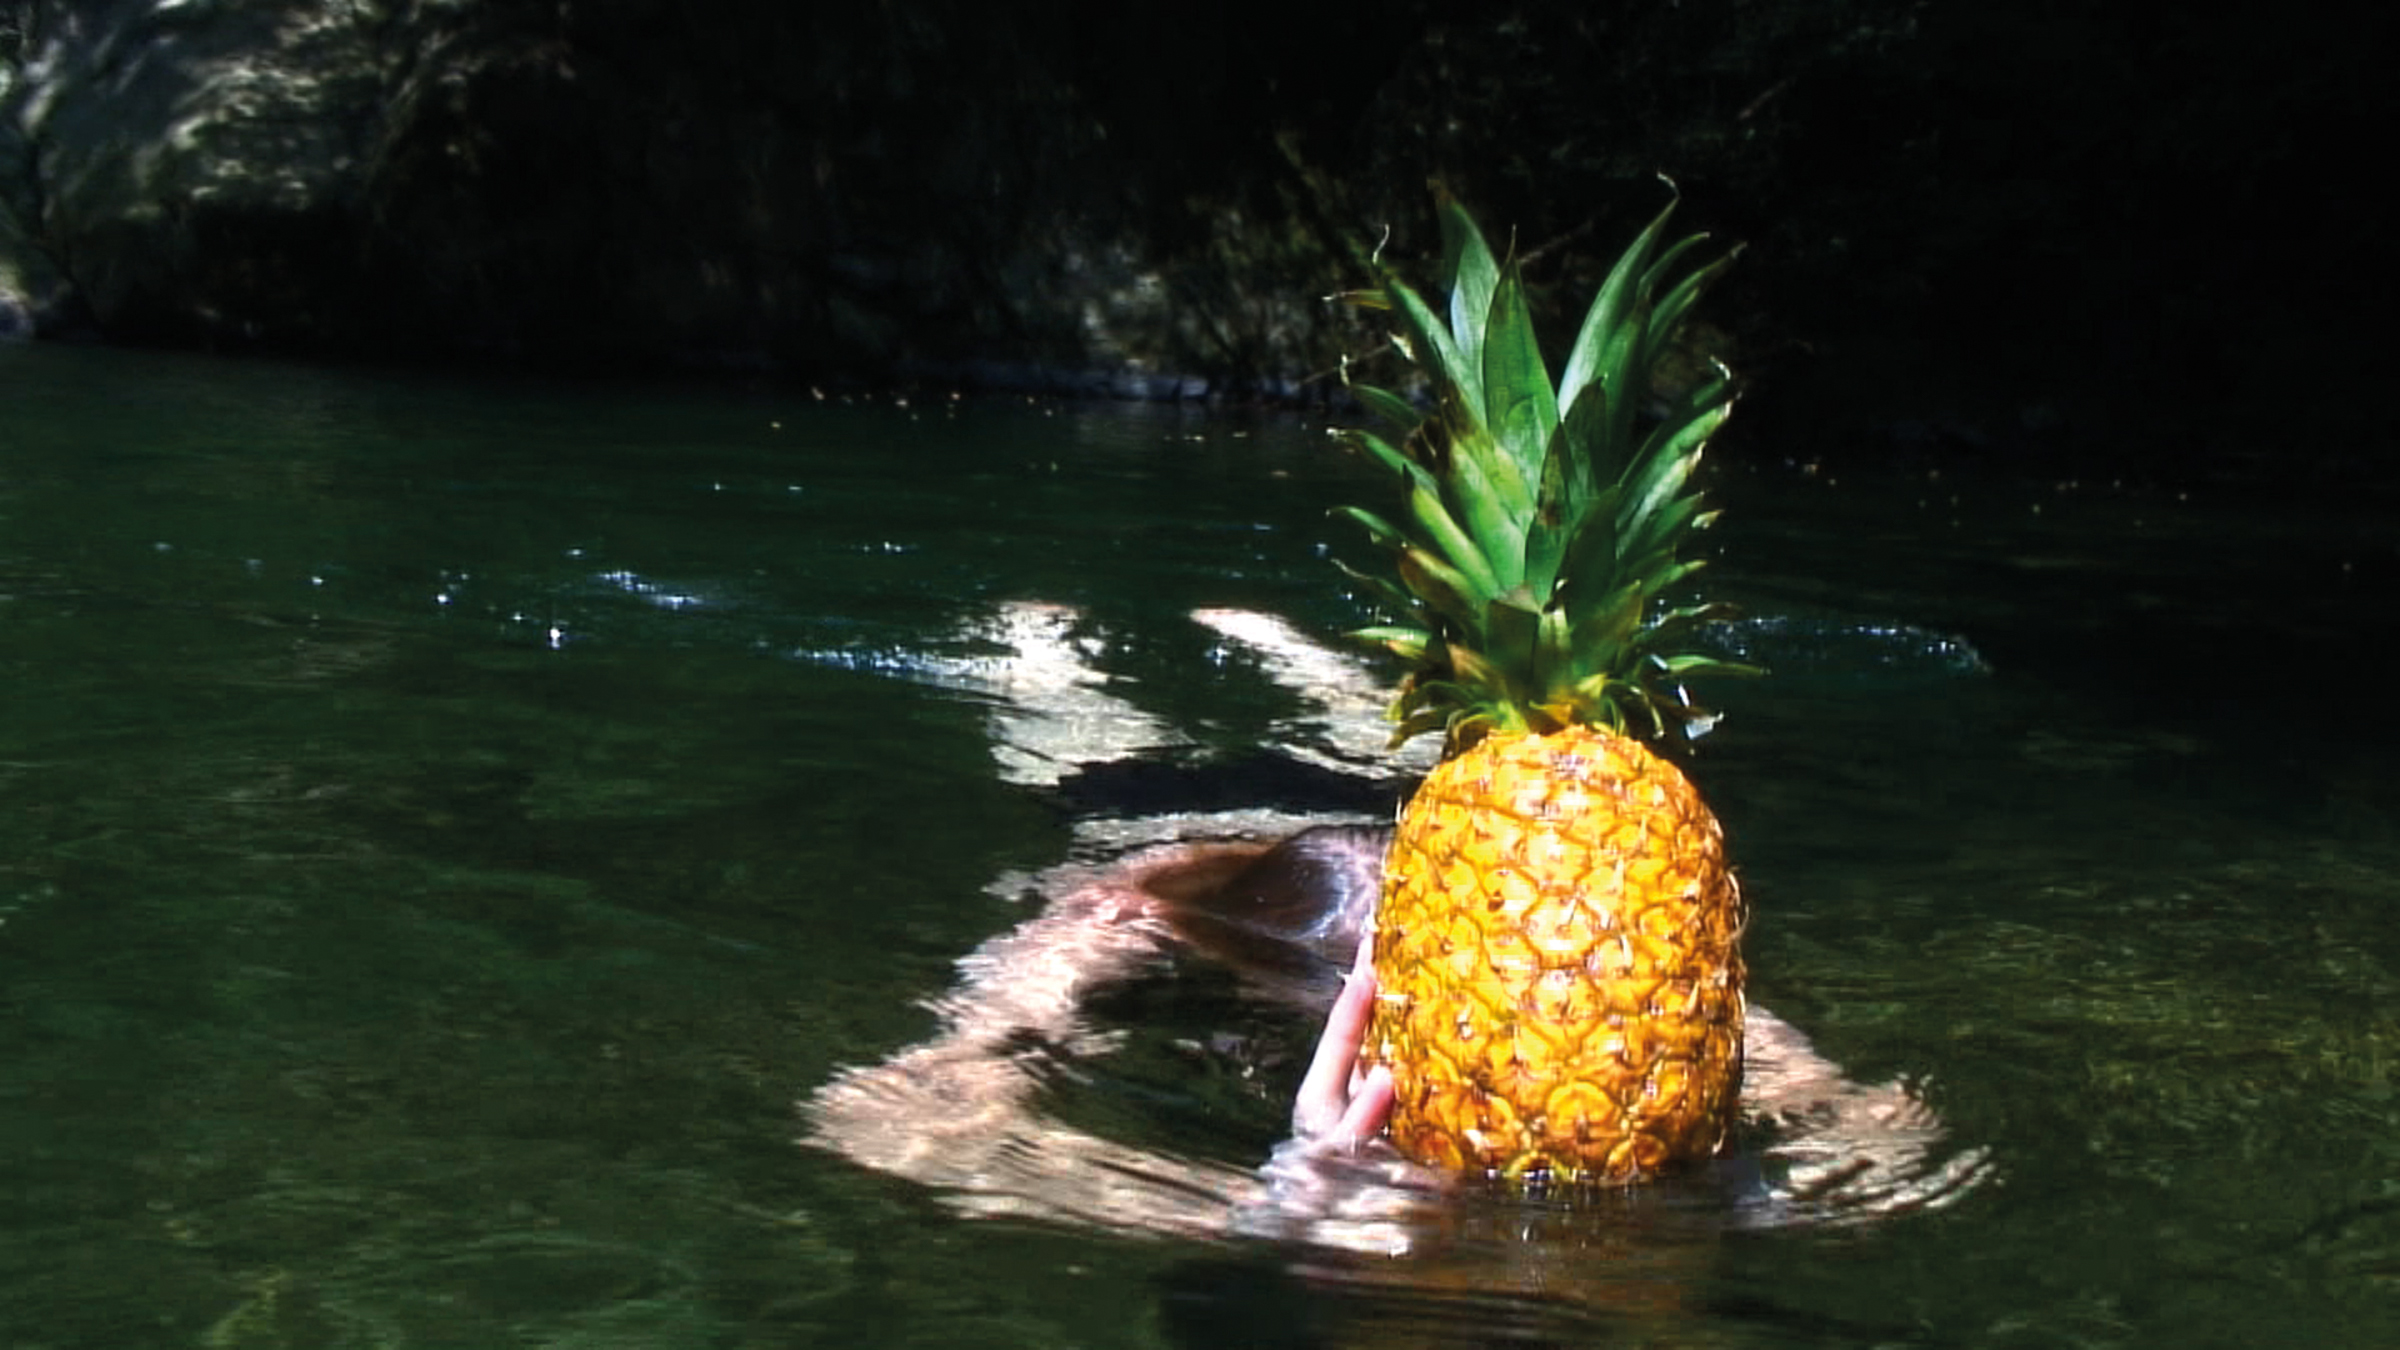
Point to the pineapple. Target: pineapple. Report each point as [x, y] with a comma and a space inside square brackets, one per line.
[1557, 946]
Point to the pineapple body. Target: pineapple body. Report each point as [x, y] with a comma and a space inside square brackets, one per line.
[1561, 987]
[1558, 957]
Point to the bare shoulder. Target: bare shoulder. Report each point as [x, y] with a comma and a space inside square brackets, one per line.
[1782, 1073]
[1849, 1149]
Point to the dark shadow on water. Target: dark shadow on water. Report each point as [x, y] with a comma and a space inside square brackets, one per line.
[1258, 780]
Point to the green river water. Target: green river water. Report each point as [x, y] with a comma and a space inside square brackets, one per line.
[448, 828]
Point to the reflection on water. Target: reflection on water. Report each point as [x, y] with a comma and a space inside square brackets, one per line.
[961, 1110]
[445, 827]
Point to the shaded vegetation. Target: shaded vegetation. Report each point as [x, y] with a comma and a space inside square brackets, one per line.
[1976, 232]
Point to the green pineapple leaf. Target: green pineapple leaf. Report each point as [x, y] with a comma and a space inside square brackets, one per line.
[1544, 519]
[1457, 547]
[1388, 592]
[1520, 406]
[1605, 346]
[1460, 383]
[1383, 452]
[1512, 634]
[1494, 499]
[1439, 586]
[1380, 530]
[1409, 644]
[1390, 407]
[1473, 277]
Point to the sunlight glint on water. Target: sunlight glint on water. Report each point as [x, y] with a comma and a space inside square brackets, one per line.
[447, 826]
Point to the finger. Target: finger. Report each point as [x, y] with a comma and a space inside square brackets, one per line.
[1324, 1094]
[1369, 1111]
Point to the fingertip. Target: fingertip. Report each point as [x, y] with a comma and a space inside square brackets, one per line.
[1378, 1084]
[1370, 1108]
[1356, 1000]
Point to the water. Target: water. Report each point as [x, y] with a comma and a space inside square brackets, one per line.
[448, 828]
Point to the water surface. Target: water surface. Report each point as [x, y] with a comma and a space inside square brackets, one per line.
[446, 826]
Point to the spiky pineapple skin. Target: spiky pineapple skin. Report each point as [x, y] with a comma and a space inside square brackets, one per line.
[1558, 961]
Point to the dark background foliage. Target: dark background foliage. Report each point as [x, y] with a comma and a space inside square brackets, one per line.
[2019, 233]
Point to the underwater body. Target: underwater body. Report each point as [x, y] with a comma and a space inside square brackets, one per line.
[455, 828]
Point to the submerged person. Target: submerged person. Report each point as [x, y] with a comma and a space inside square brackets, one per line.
[1292, 918]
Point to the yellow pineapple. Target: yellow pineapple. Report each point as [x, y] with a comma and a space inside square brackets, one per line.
[1557, 945]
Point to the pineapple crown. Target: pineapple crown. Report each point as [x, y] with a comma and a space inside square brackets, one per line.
[1543, 521]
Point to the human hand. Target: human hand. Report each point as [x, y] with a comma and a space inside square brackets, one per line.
[1340, 1107]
